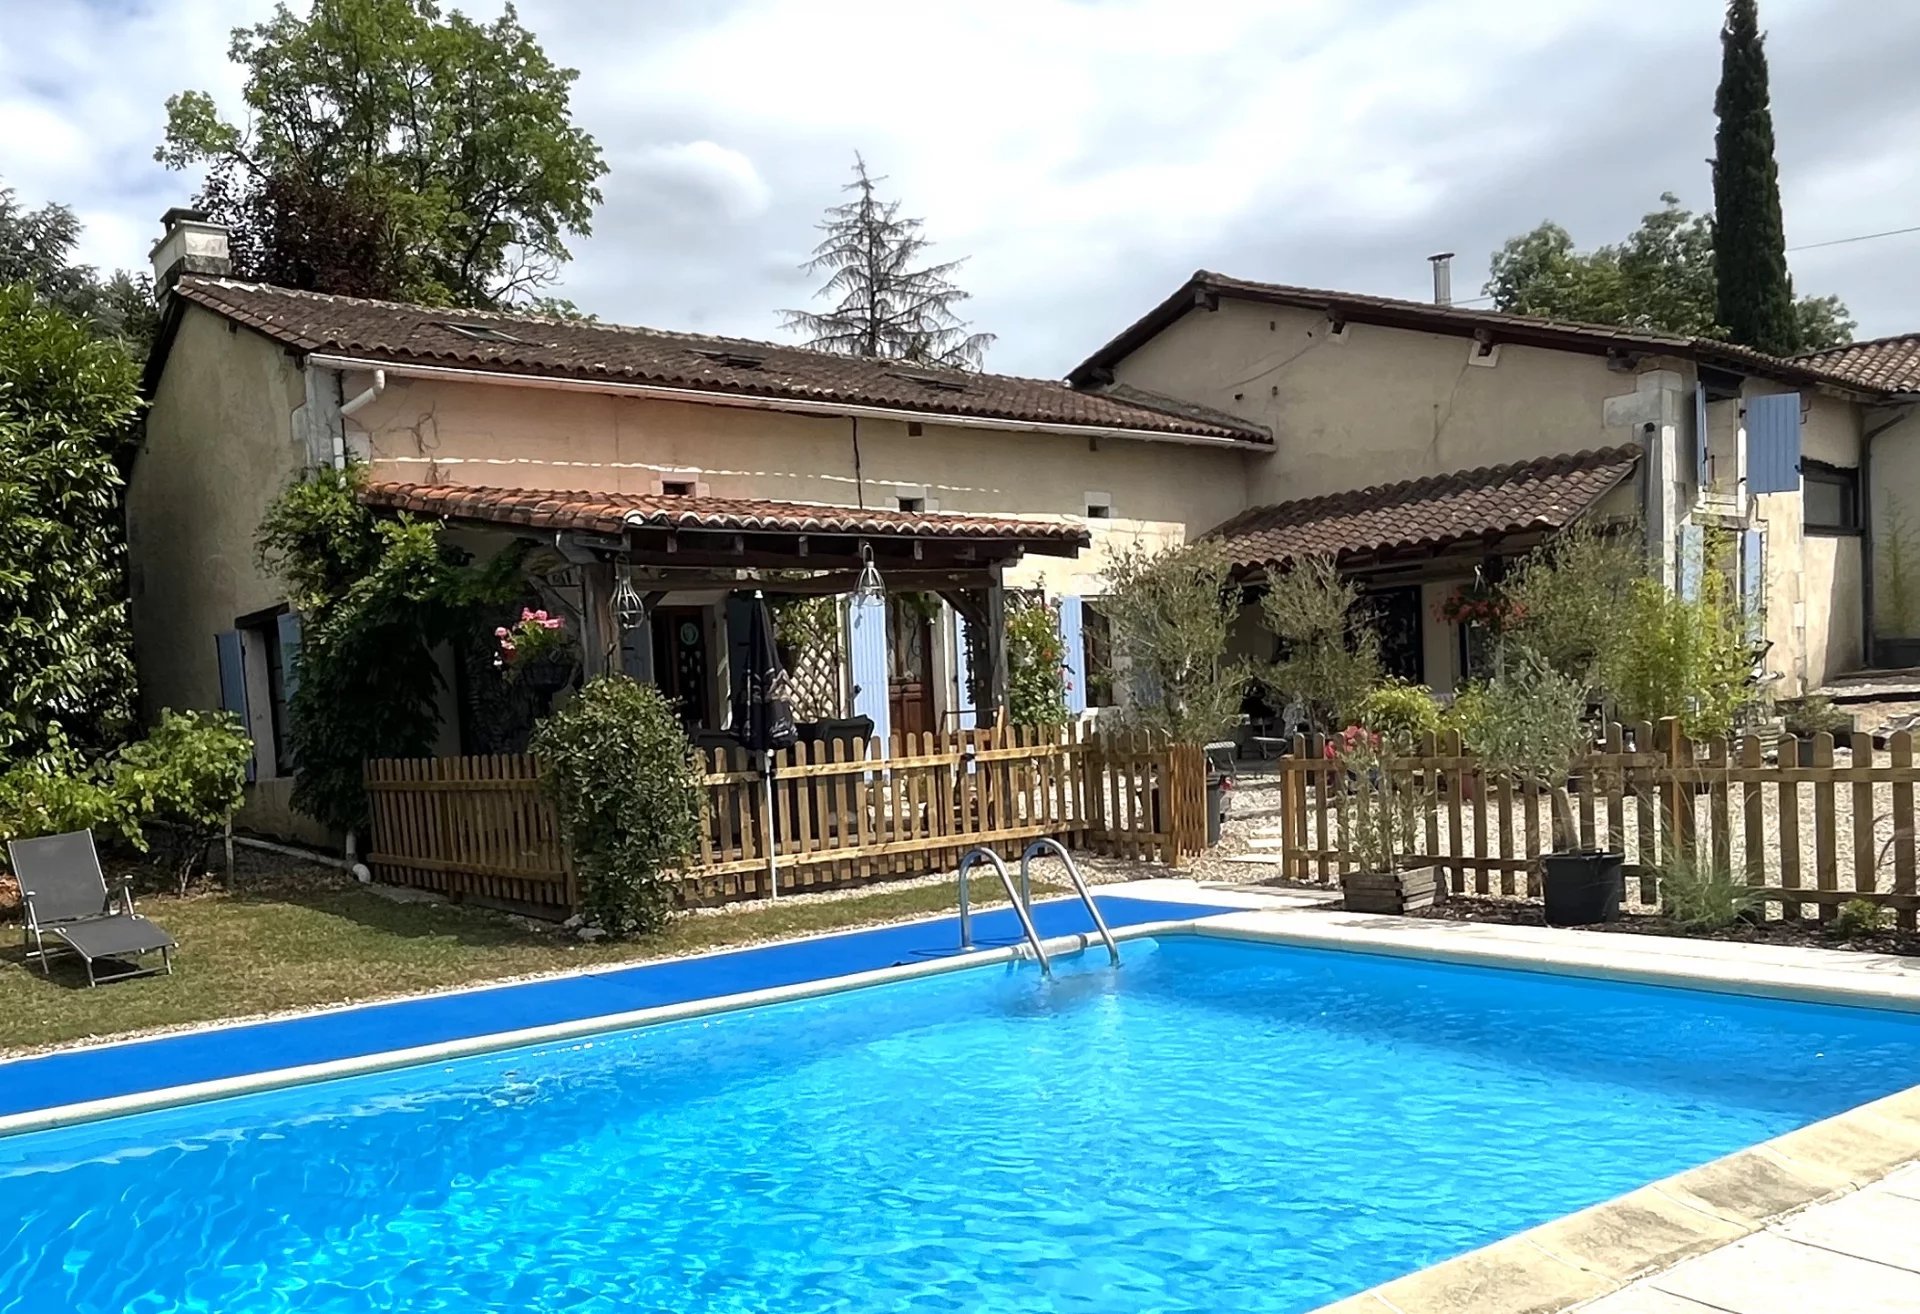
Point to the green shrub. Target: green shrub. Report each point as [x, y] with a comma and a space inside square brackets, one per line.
[1857, 917]
[59, 792]
[190, 775]
[1674, 656]
[620, 772]
[1699, 894]
[1036, 666]
[1400, 712]
[1816, 715]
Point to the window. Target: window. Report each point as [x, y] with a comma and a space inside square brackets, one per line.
[1099, 506]
[676, 488]
[911, 503]
[1096, 645]
[927, 379]
[738, 360]
[480, 332]
[1830, 498]
[257, 682]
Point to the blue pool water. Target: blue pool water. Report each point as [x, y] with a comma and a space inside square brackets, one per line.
[1214, 1127]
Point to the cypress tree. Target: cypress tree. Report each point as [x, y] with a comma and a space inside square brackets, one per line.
[1749, 236]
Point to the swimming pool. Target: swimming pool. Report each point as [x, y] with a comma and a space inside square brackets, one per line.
[1215, 1126]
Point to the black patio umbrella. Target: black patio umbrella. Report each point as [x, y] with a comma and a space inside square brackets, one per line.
[763, 713]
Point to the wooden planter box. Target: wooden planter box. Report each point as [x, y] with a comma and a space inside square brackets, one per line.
[1390, 891]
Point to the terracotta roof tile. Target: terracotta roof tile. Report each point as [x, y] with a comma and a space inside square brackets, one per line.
[1425, 316]
[610, 513]
[394, 333]
[1891, 364]
[1547, 493]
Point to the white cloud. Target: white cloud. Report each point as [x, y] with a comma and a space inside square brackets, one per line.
[1084, 155]
[702, 171]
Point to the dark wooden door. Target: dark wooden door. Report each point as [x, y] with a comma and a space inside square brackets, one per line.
[909, 669]
[680, 665]
[1396, 619]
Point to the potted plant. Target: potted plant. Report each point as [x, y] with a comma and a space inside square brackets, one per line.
[536, 650]
[1379, 812]
[1815, 715]
[1530, 725]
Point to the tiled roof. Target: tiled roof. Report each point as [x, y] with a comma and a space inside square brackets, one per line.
[610, 513]
[1891, 364]
[389, 332]
[1425, 316]
[1547, 493]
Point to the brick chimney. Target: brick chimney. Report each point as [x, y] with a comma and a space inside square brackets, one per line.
[192, 245]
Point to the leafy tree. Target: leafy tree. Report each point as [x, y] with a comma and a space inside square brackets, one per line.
[1660, 279]
[1567, 599]
[36, 248]
[66, 401]
[890, 307]
[1750, 242]
[391, 149]
[1172, 614]
[1330, 655]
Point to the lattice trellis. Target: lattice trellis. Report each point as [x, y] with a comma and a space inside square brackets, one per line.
[819, 691]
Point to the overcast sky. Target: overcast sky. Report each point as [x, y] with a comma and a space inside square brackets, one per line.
[1085, 156]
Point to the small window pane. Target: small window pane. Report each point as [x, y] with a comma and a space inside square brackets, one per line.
[1830, 501]
[1096, 642]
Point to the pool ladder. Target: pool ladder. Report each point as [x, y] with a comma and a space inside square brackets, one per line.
[1022, 898]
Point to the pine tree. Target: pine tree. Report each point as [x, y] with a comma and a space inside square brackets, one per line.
[1749, 236]
[888, 308]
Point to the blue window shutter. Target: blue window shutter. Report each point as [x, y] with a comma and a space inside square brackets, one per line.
[1753, 580]
[289, 623]
[1692, 554]
[1075, 648]
[1700, 434]
[231, 655]
[1773, 443]
[963, 674]
[867, 644]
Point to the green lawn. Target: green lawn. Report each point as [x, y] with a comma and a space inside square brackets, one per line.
[304, 938]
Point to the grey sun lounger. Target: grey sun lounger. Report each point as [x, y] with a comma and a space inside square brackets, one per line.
[65, 897]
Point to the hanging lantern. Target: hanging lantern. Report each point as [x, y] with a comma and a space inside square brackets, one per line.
[629, 608]
[868, 587]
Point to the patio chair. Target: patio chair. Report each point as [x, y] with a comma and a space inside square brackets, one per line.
[65, 897]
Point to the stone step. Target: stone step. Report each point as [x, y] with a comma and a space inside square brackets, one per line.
[1264, 841]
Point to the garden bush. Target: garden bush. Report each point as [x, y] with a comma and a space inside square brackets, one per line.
[1857, 917]
[1330, 653]
[1400, 712]
[1036, 666]
[190, 776]
[1699, 894]
[1528, 723]
[620, 772]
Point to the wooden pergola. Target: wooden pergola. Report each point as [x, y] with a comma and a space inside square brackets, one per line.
[632, 550]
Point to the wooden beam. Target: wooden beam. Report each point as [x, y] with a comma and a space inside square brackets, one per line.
[996, 619]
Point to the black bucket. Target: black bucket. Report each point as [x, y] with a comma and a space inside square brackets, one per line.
[1583, 888]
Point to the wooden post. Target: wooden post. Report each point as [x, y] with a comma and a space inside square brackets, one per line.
[600, 631]
[996, 689]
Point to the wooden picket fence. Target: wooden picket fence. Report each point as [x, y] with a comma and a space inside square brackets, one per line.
[842, 813]
[1806, 838]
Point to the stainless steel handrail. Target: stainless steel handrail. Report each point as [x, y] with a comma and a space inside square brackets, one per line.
[1079, 884]
[1019, 905]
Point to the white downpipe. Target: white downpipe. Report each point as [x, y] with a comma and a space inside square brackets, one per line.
[347, 410]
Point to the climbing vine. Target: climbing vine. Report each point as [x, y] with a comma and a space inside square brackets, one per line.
[376, 596]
